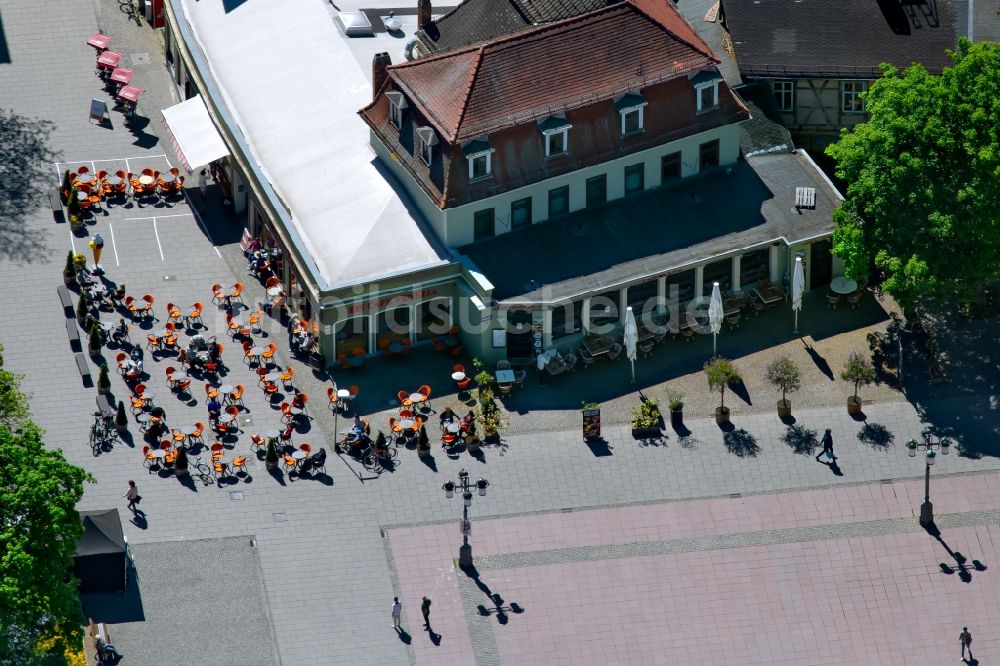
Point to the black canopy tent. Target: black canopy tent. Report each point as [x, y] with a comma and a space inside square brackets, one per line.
[100, 561]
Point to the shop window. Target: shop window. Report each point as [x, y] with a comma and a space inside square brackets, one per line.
[604, 311]
[433, 318]
[644, 299]
[567, 319]
[352, 335]
[393, 326]
[754, 267]
[719, 271]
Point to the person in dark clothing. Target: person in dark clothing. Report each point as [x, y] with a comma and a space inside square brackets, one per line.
[314, 461]
[827, 446]
[425, 608]
[214, 408]
[120, 331]
[446, 416]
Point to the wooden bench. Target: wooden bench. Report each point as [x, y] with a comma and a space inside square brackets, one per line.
[67, 300]
[82, 365]
[55, 202]
[74, 335]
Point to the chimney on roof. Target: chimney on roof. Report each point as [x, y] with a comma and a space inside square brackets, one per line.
[380, 65]
[423, 12]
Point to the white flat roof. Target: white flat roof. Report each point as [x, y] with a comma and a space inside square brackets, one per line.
[294, 83]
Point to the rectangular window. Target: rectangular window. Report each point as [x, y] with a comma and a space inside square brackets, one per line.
[850, 96]
[604, 311]
[631, 121]
[395, 115]
[635, 179]
[708, 155]
[558, 201]
[520, 213]
[719, 271]
[670, 167]
[566, 319]
[754, 267]
[426, 152]
[708, 96]
[784, 95]
[597, 190]
[479, 166]
[556, 142]
[483, 224]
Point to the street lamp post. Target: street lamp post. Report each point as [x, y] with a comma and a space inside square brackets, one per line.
[465, 551]
[930, 448]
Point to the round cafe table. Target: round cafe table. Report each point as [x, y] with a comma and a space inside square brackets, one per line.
[187, 430]
[276, 290]
[146, 180]
[842, 285]
[272, 434]
[396, 348]
[226, 389]
[453, 427]
[272, 377]
[343, 394]
[406, 424]
[159, 454]
[227, 418]
[299, 454]
[458, 376]
[416, 398]
[180, 376]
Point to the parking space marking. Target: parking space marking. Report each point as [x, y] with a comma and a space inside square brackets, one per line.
[114, 246]
[158, 239]
[72, 243]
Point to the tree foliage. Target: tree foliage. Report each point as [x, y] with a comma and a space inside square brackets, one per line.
[858, 370]
[923, 180]
[39, 526]
[784, 375]
[40, 614]
[721, 373]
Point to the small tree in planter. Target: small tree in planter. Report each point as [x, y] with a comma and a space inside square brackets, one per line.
[784, 375]
[271, 456]
[859, 371]
[646, 419]
[675, 400]
[66, 188]
[181, 461]
[484, 379]
[94, 342]
[721, 373]
[471, 437]
[82, 309]
[73, 208]
[69, 271]
[489, 416]
[121, 418]
[380, 443]
[103, 381]
[423, 442]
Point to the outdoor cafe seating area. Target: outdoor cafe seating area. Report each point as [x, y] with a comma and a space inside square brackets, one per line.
[93, 190]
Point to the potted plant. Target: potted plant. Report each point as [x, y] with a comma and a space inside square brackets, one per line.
[423, 442]
[94, 342]
[858, 370]
[489, 416]
[471, 438]
[721, 373]
[483, 379]
[121, 418]
[69, 272]
[80, 261]
[646, 419]
[380, 444]
[271, 456]
[675, 400]
[181, 461]
[74, 209]
[67, 186]
[784, 375]
[82, 309]
[103, 381]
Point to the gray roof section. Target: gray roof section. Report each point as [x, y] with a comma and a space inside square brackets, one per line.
[714, 35]
[845, 38]
[658, 231]
[190, 602]
[476, 21]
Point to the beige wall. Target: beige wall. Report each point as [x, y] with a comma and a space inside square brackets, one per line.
[818, 107]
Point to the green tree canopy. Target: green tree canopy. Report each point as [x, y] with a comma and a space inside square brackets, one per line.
[923, 180]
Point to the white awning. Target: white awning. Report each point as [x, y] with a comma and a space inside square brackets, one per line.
[192, 133]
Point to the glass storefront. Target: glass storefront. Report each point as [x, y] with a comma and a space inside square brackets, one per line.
[352, 335]
[393, 326]
[643, 299]
[720, 271]
[604, 311]
[754, 267]
[433, 318]
[567, 319]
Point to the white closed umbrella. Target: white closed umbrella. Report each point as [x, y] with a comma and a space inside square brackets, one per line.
[631, 338]
[798, 286]
[715, 314]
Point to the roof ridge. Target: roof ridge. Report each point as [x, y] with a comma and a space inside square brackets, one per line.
[701, 46]
[467, 93]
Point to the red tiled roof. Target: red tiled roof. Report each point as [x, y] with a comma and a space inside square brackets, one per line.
[553, 68]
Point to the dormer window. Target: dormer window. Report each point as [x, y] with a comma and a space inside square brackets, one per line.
[426, 140]
[706, 90]
[555, 134]
[479, 154]
[630, 108]
[396, 105]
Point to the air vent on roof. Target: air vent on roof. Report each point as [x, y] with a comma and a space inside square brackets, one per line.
[805, 197]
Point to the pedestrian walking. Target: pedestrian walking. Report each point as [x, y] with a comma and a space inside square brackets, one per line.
[827, 446]
[425, 608]
[203, 184]
[966, 639]
[132, 495]
[397, 609]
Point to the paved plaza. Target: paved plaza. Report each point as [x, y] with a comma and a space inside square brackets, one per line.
[614, 552]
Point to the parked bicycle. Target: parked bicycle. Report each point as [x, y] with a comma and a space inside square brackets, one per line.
[376, 460]
[102, 432]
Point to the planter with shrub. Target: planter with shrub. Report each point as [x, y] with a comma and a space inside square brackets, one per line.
[647, 422]
[859, 371]
[675, 400]
[783, 374]
[721, 374]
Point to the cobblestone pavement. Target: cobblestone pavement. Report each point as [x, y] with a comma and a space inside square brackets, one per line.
[326, 575]
[835, 576]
